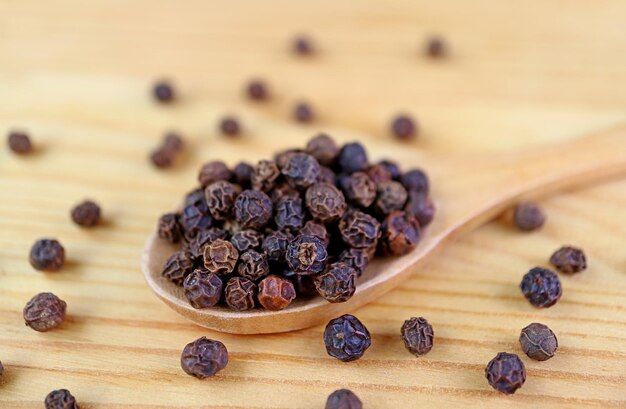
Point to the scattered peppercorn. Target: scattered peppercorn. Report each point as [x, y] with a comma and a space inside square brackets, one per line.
[336, 283]
[19, 142]
[435, 47]
[163, 92]
[44, 312]
[47, 255]
[202, 288]
[359, 230]
[346, 338]
[358, 259]
[240, 293]
[264, 176]
[169, 228]
[420, 206]
[220, 257]
[253, 209]
[177, 267]
[1, 370]
[403, 127]
[400, 233]
[418, 336]
[528, 216]
[569, 260]
[538, 342]
[60, 399]
[257, 90]
[276, 293]
[242, 174]
[213, 172]
[303, 112]
[506, 373]
[360, 189]
[229, 126]
[353, 158]
[220, 199]
[323, 148]
[541, 287]
[302, 45]
[86, 214]
[162, 158]
[204, 358]
[306, 255]
[343, 399]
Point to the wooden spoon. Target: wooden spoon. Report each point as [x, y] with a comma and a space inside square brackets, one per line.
[468, 191]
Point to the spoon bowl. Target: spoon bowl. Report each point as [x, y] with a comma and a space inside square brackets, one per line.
[468, 191]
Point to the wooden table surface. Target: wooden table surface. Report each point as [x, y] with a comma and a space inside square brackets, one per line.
[76, 75]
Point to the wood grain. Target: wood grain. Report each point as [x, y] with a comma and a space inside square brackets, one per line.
[76, 75]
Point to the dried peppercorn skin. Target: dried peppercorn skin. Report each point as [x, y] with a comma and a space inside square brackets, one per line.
[265, 174]
[253, 265]
[360, 189]
[45, 311]
[390, 196]
[240, 293]
[213, 172]
[162, 158]
[248, 239]
[400, 233]
[163, 92]
[203, 289]
[418, 336]
[204, 358]
[420, 206]
[343, 399]
[304, 285]
[195, 245]
[392, 168]
[323, 148]
[346, 338]
[229, 126]
[538, 342]
[303, 112]
[283, 190]
[353, 158]
[86, 214]
[313, 228]
[220, 199]
[359, 230]
[378, 174]
[177, 267]
[416, 180]
[60, 399]
[403, 127]
[301, 170]
[289, 214]
[541, 287]
[306, 255]
[275, 293]
[358, 259]
[47, 255]
[242, 174]
[325, 202]
[253, 209]
[326, 175]
[195, 217]
[528, 216]
[337, 283]
[569, 260]
[169, 228]
[257, 90]
[19, 143]
[282, 157]
[506, 373]
[220, 257]
[275, 245]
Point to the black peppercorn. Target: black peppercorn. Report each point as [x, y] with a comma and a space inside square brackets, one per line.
[44, 312]
[163, 91]
[337, 283]
[19, 143]
[435, 47]
[264, 176]
[390, 196]
[528, 216]
[421, 207]
[392, 168]
[360, 189]
[346, 338]
[245, 240]
[343, 399]
[86, 214]
[195, 218]
[506, 373]
[541, 287]
[358, 259]
[60, 399]
[204, 358]
[195, 245]
[416, 181]
[240, 293]
[220, 199]
[538, 342]
[569, 260]
[257, 90]
[253, 265]
[195, 197]
[276, 293]
[400, 233]
[275, 245]
[359, 230]
[306, 255]
[229, 126]
[403, 127]
[304, 285]
[203, 289]
[312, 228]
[283, 190]
[242, 174]
[47, 255]
[325, 202]
[301, 170]
[169, 228]
[323, 148]
[178, 266]
[353, 158]
[162, 158]
[326, 175]
[289, 214]
[418, 336]
[282, 157]
[302, 45]
[303, 112]
[378, 174]
[213, 172]
[253, 209]
[173, 142]
[220, 257]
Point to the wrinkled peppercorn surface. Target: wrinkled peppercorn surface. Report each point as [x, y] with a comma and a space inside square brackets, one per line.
[346, 338]
[506, 373]
[177, 267]
[47, 255]
[60, 399]
[220, 257]
[204, 358]
[306, 255]
[276, 293]
[418, 336]
[337, 282]
[44, 312]
[400, 233]
[538, 342]
[569, 260]
[86, 214]
[541, 287]
[240, 293]
[203, 289]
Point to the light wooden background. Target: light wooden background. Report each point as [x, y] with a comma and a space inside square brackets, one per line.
[76, 75]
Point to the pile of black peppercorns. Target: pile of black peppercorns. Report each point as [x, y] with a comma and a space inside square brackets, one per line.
[305, 223]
